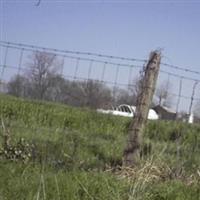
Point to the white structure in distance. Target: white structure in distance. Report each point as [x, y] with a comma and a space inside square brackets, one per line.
[128, 111]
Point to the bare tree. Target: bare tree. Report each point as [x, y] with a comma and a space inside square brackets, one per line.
[135, 87]
[127, 96]
[162, 93]
[43, 82]
[38, 3]
[42, 67]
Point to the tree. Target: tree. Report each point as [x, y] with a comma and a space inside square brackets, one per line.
[129, 95]
[162, 93]
[123, 96]
[43, 67]
[56, 88]
[90, 93]
[135, 87]
[43, 82]
[19, 86]
[38, 3]
[96, 94]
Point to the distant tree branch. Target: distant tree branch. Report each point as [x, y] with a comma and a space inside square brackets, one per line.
[38, 3]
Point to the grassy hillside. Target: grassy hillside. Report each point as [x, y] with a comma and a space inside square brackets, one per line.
[60, 152]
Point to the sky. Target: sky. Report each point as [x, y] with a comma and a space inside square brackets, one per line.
[120, 28]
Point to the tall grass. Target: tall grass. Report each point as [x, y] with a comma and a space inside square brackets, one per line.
[77, 155]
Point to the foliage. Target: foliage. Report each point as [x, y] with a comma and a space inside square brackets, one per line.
[43, 80]
[77, 155]
[22, 151]
[33, 182]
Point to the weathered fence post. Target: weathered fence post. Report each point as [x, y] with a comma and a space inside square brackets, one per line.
[144, 99]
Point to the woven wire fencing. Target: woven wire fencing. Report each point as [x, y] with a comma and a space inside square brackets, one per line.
[90, 79]
[97, 80]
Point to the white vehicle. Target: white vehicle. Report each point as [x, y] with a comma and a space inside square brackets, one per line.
[128, 111]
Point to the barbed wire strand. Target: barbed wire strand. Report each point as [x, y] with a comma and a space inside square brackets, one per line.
[72, 52]
[97, 55]
[180, 68]
[120, 64]
[179, 76]
[76, 57]
[22, 49]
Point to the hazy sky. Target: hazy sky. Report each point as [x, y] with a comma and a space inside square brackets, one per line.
[124, 28]
[121, 28]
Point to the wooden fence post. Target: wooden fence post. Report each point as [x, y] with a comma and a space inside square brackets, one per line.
[144, 100]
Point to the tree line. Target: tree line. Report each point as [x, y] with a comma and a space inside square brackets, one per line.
[42, 81]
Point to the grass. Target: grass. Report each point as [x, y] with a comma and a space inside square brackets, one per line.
[76, 154]
[33, 182]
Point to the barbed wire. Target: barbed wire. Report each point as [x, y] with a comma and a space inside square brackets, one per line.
[72, 52]
[23, 47]
[76, 57]
[105, 61]
[179, 76]
[181, 68]
[35, 48]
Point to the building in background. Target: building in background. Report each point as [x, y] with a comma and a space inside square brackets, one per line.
[164, 112]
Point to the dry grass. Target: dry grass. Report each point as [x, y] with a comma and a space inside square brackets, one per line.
[154, 171]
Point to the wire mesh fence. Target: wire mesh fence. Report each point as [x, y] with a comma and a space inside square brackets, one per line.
[87, 73]
[83, 76]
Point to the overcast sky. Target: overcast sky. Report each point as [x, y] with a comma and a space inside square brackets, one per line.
[120, 28]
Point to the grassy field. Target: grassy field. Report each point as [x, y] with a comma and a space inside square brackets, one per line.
[60, 152]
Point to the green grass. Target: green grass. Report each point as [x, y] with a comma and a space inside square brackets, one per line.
[74, 150]
[32, 182]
